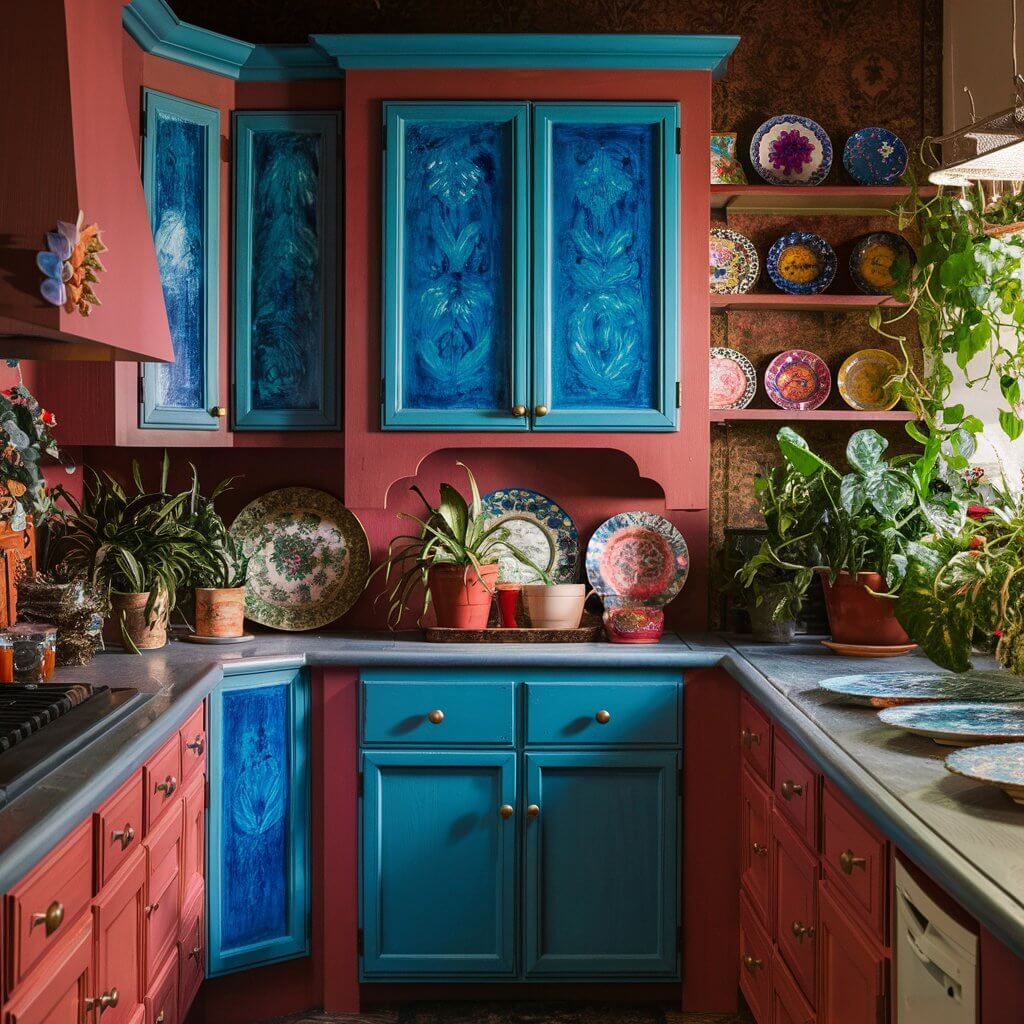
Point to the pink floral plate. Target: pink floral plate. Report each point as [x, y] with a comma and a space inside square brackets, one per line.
[308, 558]
[733, 381]
[798, 380]
[639, 557]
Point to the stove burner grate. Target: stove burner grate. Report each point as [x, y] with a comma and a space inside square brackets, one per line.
[25, 710]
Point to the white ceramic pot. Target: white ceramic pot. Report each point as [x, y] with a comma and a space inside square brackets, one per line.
[559, 606]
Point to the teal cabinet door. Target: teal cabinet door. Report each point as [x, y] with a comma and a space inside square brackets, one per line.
[438, 864]
[605, 270]
[258, 821]
[601, 871]
[456, 189]
[286, 337]
[181, 179]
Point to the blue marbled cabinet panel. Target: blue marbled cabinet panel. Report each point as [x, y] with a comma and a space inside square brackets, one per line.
[604, 265]
[285, 286]
[456, 272]
[254, 843]
[177, 207]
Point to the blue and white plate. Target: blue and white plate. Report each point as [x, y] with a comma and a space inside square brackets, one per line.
[998, 764]
[890, 689]
[540, 528]
[875, 156]
[791, 150]
[959, 723]
[801, 263]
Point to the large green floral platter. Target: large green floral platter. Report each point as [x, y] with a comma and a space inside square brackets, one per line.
[308, 558]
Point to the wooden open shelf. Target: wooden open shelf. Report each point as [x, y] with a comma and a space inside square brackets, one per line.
[785, 415]
[808, 303]
[810, 200]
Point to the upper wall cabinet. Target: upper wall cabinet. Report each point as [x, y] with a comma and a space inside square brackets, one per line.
[180, 166]
[286, 279]
[460, 274]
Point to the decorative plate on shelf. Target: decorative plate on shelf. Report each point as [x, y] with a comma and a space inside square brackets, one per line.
[734, 266]
[540, 528]
[801, 263]
[998, 764]
[797, 380]
[732, 378]
[959, 723]
[308, 558]
[725, 167]
[791, 150]
[863, 380]
[891, 689]
[872, 259]
[638, 556]
[875, 156]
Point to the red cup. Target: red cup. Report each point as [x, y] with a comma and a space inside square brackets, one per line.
[508, 600]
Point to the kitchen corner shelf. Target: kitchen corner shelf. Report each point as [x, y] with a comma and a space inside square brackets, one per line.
[810, 200]
[821, 415]
[805, 303]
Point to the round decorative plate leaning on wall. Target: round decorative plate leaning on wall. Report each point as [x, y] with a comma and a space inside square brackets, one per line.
[308, 558]
[791, 150]
[801, 263]
[797, 380]
[872, 259]
[540, 528]
[875, 156]
[733, 263]
[864, 380]
[733, 380]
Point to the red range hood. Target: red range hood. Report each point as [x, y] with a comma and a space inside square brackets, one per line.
[67, 146]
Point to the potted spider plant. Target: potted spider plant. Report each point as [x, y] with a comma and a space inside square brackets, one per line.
[452, 558]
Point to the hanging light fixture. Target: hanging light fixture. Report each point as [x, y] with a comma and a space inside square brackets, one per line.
[990, 149]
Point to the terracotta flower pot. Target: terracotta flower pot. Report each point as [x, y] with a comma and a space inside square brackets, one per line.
[129, 611]
[554, 606]
[856, 616]
[220, 611]
[461, 597]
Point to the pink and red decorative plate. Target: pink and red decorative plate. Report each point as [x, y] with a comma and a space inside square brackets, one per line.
[798, 380]
[638, 557]
[732, 379]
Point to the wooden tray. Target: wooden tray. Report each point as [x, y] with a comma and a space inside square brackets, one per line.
[496, 635]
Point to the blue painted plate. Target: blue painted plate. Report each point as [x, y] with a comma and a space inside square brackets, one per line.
[540, 528]
[791, 150]
[801, 263]
[875, 156]
[872, 258]
[960, 723]
[998, 764]
[890, 689]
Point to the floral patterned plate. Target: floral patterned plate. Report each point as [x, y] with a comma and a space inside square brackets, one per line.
[308, 558]
[797, 380]
[872, 258]
[998, 764]
[959, 723]
[733, 381]
[734, 266]
[638, 557]
[791, 150]
[801, 263]
[540, 528]
[890, 689]
[875, 156]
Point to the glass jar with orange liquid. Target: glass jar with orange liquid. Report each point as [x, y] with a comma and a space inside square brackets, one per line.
[34, 651]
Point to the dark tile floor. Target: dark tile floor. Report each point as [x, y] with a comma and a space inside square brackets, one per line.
[517, 1013]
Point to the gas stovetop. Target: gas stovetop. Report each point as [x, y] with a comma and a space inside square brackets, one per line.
[42, 726]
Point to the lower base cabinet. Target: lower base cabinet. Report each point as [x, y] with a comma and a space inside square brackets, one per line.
[162, 998]
[61, 993]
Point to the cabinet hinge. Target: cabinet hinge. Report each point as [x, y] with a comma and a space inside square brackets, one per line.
[359, 940]
[359, 784]
[679, 140]
[142, 117]
[142, 388]
[679, 394]
[679, 938]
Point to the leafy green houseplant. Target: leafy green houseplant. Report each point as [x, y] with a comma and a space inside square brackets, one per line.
[452, 559]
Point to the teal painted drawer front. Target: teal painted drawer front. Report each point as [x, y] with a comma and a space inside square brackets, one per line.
[583, 713]
[438, 713]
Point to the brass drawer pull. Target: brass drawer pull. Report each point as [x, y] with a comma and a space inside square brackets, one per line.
[52, 918]
[218, 412]
[124, 836]
[168, 786]
[160, 1018]
[760, 849]
[197, 952]
[532, 811]
[105, 1001]
[435, 717]
[791, 789]
[540, 410]
[196, 746]
[518, 410]
[752, 963]
[152, 908]
[506, 811]
[603, 717]
[750, 739]
[847, 861]
[800, 930]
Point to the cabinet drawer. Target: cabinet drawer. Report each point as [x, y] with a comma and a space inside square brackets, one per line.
[161, 779]
[795, 894]
[61, 887]
[429, 713]
[162, 997]
[755, 738]
[755, 827]
[191, 953]
[192, 736]
[603, 713]
[118, 829]
[856, 860]
[796, 790]
[755, 954]
[788, 1004]
[163, 890]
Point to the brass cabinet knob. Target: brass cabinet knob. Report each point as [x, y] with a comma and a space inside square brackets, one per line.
[847, 861]
[800, 930]
[506, 810]
[752, 963]
[160, 1018]
[105, 1001]
[218, 412]
[51, 918]
[532, 811]
[435, 717]
[152, 908]
[603, 717]
[168, 786]
[760, 849]
[540, 410]
[124, 836]
[791, 789]
[196, 953]
[196, 746]
[750, 739]
[518, 410]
